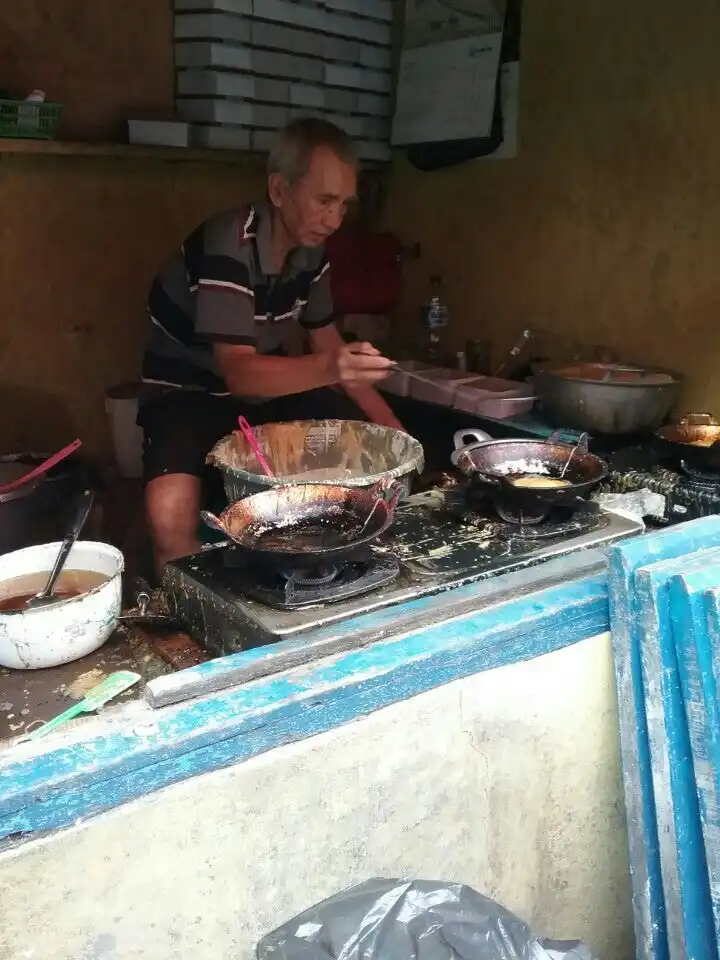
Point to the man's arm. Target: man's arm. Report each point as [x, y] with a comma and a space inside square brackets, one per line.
[250, 374]
[327, 340]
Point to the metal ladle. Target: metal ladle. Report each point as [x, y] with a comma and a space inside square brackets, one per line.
[82, 512]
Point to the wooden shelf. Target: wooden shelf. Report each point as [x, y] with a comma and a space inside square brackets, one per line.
[122, 151]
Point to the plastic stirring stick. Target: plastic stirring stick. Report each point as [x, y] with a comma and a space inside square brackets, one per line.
[247, 431]
[43, 467]
[110, 687]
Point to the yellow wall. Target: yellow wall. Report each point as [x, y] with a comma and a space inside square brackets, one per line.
[80, 240]
[606, 228]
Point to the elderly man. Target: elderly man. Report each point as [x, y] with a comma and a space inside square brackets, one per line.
[223, 311]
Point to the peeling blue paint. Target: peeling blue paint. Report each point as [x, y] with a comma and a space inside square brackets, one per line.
[625, 559]
[65, 783]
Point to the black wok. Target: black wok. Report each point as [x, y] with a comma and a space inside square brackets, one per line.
[308, 524]
[693, 441]
[494, 464]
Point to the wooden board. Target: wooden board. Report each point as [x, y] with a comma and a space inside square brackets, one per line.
[625, 559]
[690, 925]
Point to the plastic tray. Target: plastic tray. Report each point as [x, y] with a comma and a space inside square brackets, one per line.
[440, 385]
[495, 398]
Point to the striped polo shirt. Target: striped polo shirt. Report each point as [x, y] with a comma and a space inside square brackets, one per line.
[222, 287]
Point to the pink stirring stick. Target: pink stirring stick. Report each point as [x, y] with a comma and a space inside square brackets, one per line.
[249, 434]
[42, 468]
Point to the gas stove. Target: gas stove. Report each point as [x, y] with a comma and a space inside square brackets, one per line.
[229, 602]
[689, 494]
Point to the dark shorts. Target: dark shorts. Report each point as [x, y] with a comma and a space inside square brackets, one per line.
[181, 428]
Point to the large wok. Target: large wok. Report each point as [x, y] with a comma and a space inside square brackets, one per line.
[693, 440]
[494, 464]
[308, 525]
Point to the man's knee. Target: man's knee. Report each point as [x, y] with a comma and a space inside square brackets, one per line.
[172, 504]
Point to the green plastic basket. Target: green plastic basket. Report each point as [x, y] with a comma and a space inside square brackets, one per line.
[29, 119]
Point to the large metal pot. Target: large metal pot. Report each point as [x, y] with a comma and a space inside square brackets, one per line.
[35, 513]
[609, 398]
[349, 453]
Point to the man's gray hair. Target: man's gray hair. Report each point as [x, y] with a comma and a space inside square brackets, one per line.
[292, 152]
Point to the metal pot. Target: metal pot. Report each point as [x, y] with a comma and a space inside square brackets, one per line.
[347, 452]
[693, 440]
[34, 513]
[609, 398]
[494, 464]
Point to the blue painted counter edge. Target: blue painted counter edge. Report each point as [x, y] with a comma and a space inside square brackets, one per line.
[63, 784]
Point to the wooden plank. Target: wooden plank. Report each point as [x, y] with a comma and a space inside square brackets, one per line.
[695, 607]
[686, 888]
[123, 151]
[625, 559]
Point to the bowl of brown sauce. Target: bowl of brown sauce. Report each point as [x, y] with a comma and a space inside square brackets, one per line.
[88, 603]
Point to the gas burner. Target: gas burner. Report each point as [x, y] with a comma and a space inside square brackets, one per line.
[518, 517]
[292, 589]
[562, 523]
[701, 477]
[312, 577]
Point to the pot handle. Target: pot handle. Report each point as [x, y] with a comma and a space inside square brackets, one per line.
[387, 489]
[479, 436]
[215, 523]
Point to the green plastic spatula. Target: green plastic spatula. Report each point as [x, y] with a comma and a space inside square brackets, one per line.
[110, 687]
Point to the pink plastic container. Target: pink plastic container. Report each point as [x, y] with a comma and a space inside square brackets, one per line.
[494, 397]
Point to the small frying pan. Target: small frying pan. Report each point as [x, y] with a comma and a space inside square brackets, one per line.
[307, 525]
[694, 440]
[494, 464]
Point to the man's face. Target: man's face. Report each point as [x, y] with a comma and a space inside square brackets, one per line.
[315, 206]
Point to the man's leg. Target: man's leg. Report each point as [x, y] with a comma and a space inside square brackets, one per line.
[179, 431]
[172, 507]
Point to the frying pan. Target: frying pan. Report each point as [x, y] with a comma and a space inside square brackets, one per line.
[308, 524]
[495, 463]
[677, 441]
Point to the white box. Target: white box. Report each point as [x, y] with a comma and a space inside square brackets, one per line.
[376, 9]
[216, 83]
[221, 138]
[343, 101]
[439, 385]
[242, 7]
[159, 133]
[306, 95]
[374, 105]
[212, 26]
[399, 381]
[356, 78]
[226, 56]
[234, 112]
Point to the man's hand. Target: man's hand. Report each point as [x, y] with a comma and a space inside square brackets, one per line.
[360, 364]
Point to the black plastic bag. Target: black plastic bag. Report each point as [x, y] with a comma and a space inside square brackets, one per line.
[411, 920]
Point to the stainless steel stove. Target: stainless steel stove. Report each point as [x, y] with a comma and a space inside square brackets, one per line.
[435, 545]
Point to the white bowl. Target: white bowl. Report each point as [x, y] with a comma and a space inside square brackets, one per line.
[69, 629]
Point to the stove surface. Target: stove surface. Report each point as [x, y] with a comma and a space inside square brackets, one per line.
[437, 542]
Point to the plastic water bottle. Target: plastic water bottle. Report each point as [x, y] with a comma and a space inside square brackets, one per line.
[434, 317]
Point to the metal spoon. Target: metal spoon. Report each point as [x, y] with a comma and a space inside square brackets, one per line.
[81, 514]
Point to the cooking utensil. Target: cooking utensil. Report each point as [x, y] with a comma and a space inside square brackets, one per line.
[351, 453]
[308, 525]
[610, 398]
[80, 517]
[107, 690]
[493, 464]
[249, 434]
[42, 468]
[681, 441]
[582, 439]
